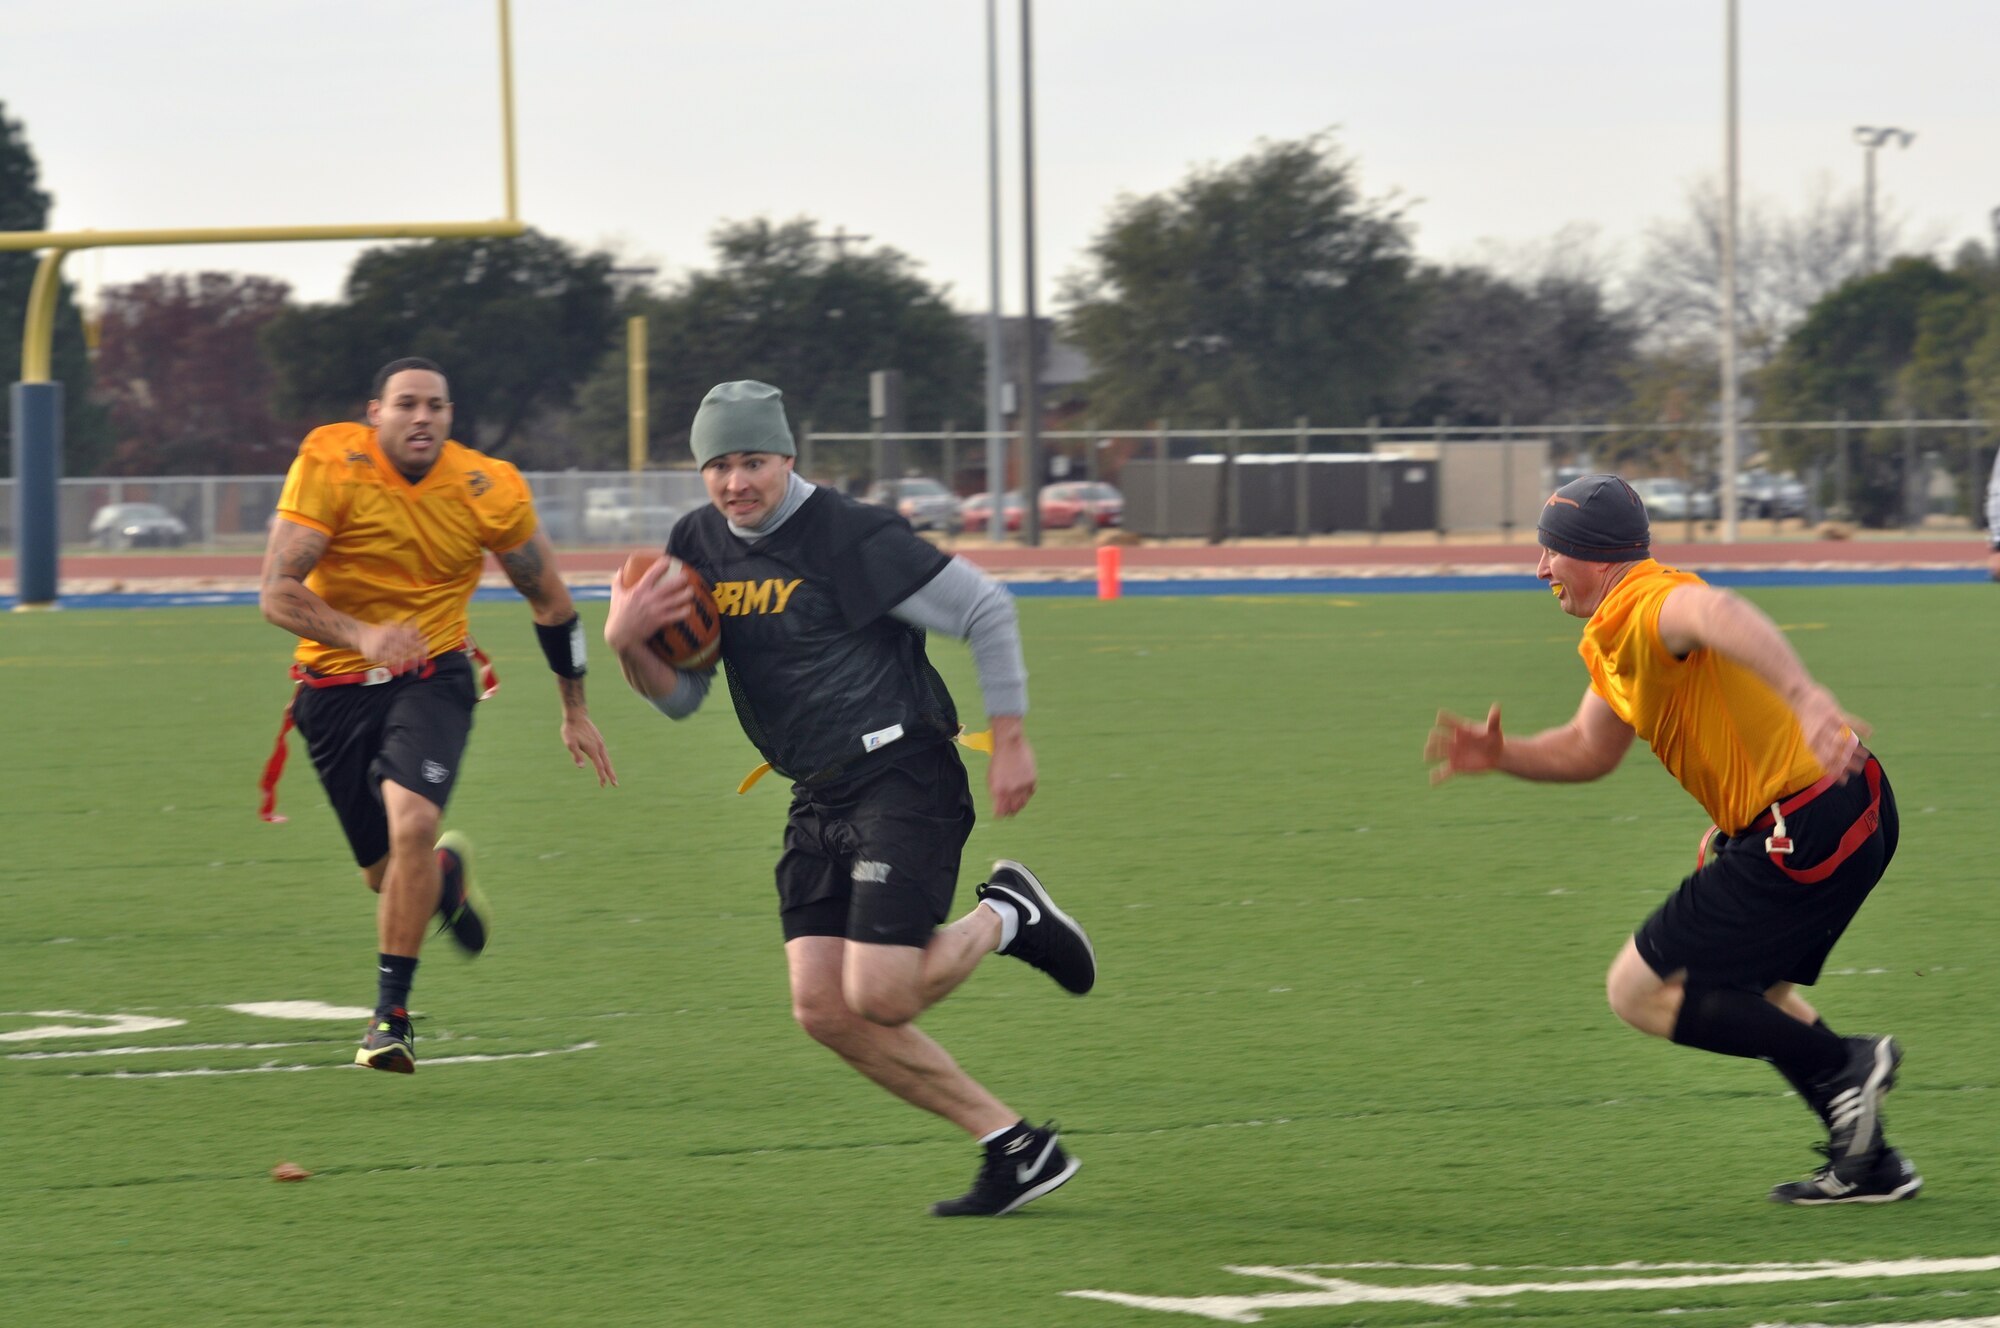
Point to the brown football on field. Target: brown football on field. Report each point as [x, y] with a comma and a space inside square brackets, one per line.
[290, 1171]
[694, 642]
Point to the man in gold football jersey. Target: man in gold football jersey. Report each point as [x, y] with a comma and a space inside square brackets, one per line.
[1805, 822]
[381, 533]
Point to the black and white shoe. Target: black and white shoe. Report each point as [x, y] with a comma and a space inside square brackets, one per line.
[1048, 938]
[461, 909]
[1018, 1168]
[1883, 1177]
[1853, 1098]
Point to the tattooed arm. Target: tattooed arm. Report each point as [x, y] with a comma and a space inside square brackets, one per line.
[292, 552]
[532, 569]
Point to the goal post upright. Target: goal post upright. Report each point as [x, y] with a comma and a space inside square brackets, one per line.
[37, 399]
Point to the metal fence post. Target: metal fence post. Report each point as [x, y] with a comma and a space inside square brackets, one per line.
[1160, 490]
[1912, 491]
[1437, 491]
[208, 510]
[1840, 469]
[1507, 479]
[1374, 497]
[949, 460]
[1971, 500]
[1302, 499]
[1232, 483]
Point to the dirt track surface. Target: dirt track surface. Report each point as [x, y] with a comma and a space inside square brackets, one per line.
[1061, 562]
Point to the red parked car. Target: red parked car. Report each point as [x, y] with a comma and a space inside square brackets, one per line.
[977, 511]
[1097, 503]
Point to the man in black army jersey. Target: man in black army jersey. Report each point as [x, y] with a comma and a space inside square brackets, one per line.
[825, 605]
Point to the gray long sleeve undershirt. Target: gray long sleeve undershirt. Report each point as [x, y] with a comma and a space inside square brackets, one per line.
[960, 601]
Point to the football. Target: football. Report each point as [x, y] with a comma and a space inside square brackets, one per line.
[695, 642]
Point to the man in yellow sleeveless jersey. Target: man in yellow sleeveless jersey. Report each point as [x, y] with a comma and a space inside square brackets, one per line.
[1805, 820]
[381, 534]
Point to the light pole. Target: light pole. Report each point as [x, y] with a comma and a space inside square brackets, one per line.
[1731, 443]
[996, 458]
[1871, 138]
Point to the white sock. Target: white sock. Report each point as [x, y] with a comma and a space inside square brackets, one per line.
[1010, 922]
[1001, 1132]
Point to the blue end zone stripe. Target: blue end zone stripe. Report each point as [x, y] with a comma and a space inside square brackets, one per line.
[1301, 585]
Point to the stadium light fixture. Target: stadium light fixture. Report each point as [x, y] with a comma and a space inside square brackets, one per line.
[1871, 138]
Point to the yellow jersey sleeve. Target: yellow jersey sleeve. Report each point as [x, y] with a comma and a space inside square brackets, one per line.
[506, 507]
[1730, 740]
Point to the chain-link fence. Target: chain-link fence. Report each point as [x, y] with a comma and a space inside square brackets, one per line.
[1224, 483]
[233, 512]
[1304, 480]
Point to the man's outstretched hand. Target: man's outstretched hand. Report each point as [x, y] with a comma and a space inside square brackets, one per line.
[1459, 747]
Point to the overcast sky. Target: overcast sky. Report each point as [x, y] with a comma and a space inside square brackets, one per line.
[643, 124]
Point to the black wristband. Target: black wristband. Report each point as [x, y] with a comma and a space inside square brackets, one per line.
[563, 645]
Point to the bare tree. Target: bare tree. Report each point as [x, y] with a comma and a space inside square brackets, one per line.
[1784, 264]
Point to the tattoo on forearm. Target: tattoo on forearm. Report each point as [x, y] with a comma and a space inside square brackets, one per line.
[293, 606]
[524, 568]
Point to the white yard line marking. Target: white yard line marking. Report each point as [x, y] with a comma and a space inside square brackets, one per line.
[109, 1025]
[147, 1051]
[1337, 1291]
[1990, 1321]
[301, 1010]
[425, 1063]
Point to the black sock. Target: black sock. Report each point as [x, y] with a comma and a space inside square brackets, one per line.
[1734, 1022]
[393, 976]
[1806, 1088]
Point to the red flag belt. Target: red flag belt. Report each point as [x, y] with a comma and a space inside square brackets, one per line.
[274, 768]
[1778, 845]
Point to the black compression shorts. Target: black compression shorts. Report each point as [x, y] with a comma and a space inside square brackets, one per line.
[410, 730]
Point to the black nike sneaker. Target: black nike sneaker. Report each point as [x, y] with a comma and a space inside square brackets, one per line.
[1018, 1168]
[1882, 1177]
[461, 908]
[1048, 938]
[387, 1043]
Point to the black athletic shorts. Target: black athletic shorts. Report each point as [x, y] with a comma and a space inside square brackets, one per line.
[409, 730]
[1739, 921]
[876, 858]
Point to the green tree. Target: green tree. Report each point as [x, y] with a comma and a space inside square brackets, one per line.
[1887, 346]
[189, 389]
[1486, 349]
[24, 206]
[517, 324]
[789, 307]
[1261, 290]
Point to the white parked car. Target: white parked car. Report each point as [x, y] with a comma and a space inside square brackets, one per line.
[1670, 499]
[611, 516]
[137, 525]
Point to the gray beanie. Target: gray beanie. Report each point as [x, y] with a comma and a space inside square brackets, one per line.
[1597, 518]
[744, 416]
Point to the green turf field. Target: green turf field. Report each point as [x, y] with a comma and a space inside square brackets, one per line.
[1344, 1019]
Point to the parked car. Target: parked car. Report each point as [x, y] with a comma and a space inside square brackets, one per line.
[1059, 509]
[977, 511]
[1670, 499]
[925, 503]
[610, 516]
[1760, 493]
[136, 526]
[1099, 504]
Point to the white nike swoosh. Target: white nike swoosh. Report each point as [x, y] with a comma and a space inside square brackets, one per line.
[1024, 1173]
[1024, 900]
